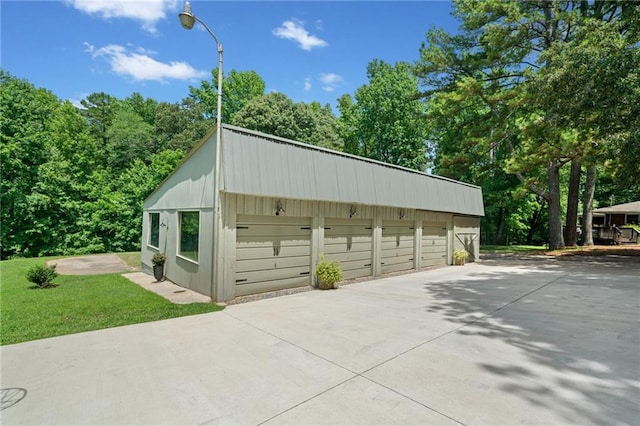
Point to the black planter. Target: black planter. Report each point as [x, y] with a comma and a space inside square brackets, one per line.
[158, 272]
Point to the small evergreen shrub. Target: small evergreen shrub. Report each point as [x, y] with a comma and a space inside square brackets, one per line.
[328, 274]
[42, 276]
[158, 259]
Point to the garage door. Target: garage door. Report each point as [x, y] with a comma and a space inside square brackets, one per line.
[350, 242]
[434, 244]
[272, 253]
[397, 246]
[466, 231]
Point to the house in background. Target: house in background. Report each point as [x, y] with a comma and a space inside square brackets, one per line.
[609, 224]
[282, 205]
[621, 214]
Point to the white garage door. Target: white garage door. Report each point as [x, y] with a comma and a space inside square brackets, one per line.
[350, 242]
[434, 244]
[397, 246]
[466, 232]
[272, 253]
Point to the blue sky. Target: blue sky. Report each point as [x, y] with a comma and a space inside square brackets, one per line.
[308, 50]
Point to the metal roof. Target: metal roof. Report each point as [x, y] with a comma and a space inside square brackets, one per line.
[258, 164]
[633, 208]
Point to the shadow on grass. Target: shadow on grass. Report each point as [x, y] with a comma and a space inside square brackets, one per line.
[573, 321]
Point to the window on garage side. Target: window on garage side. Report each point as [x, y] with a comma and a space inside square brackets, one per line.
[154, 229]
[189, 232]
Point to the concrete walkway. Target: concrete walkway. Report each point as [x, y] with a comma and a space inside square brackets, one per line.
[90, 265]
[167, 289]
[499, 342]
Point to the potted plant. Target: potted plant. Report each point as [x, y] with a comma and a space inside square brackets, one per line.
[328, 274]
[158, 261]
[459, 256]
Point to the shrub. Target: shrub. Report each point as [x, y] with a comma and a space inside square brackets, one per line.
[459, 256]
[158, 259]
[328, 274]
[42, 276]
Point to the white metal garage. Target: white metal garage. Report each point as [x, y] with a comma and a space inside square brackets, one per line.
[275, 206]
[350, 242]
[272, 253]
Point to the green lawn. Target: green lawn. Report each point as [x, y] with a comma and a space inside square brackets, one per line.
[513, 249]
[78, 303]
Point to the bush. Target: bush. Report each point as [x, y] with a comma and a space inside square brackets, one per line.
[158, 259]
[328, 274]
[42, 276]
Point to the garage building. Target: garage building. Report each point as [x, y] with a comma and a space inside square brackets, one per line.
[282, 205]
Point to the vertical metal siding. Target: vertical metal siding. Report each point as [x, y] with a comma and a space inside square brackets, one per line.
[256, 164]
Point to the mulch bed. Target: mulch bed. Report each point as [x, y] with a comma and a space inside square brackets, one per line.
[624, 250]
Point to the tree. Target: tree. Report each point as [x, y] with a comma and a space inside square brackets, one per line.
[129, 137]
[179, 126]
[499, 52]
[145, 108]
[25, 119]
[278, 115]
[238, 88]
[99, 109]
[385, 121]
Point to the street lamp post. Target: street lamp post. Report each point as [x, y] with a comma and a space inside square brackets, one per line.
[188, 20]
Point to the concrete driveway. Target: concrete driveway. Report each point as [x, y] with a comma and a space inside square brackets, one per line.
[497, 342]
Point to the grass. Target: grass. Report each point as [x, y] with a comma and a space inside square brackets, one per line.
[131, 259]
[78, 303]
[513, 249]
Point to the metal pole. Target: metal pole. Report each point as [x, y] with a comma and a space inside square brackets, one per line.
[216, 277]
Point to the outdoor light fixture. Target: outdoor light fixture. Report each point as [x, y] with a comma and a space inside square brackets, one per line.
[353, 212]
[279, 209]
[186, 17]
[403, 214]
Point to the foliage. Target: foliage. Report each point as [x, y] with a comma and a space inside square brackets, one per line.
[501, 92]
[276, 114]
[158, 259]
[73, 181]
[386, 120]
[328, 273]
[460, 254]
[41, 275]
[238, 88]
[80, 303]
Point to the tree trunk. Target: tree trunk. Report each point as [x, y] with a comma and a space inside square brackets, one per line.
[533, 225]
[573, 195]
[587, 210]
[556, 241]
[499, 227]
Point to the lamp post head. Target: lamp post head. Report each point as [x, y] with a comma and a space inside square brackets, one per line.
[187, 20]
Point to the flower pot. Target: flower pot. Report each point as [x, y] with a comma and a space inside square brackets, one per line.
[458, 261]
[158, 272]
[323, 285]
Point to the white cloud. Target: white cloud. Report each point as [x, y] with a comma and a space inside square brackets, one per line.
[294, 30]
[127, 61]
[76, 101]
[331, 81]
[307, 84]
[148, 12]
[89, 48]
